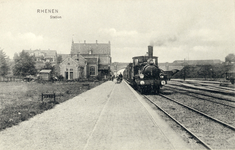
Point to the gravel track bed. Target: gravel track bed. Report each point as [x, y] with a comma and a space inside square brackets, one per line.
[216, 135]
[188, 138]
[218, 111]
[196, 95]
[216, 95]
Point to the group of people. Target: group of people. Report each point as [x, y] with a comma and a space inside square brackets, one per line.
[119, 78]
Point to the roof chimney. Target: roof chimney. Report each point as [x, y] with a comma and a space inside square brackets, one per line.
[150, 51]
[96, 42]
[84, 41]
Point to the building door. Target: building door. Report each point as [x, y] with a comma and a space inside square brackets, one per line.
[66, 75]
[71, 75]
[92, 70]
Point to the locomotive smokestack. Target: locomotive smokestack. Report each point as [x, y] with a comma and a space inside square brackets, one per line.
[150, 51]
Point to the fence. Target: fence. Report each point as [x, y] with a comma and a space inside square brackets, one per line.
[10, 79]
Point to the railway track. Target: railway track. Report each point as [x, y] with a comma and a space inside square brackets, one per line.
[201, 96]
[199, 126]
[206, 87]
[204, 93]
[215, 85]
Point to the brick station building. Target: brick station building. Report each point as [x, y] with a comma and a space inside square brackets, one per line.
[97, 55]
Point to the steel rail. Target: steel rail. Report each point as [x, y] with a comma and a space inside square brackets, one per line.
[201, 93]
[211, 86]
[223, 123]
[178, 90]
[224, 92]
[191, 133]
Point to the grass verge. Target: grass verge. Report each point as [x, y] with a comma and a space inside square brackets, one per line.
[20, 101]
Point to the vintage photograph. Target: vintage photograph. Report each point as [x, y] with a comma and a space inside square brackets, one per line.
[117, 74]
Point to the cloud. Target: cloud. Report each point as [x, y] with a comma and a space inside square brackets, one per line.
[16, 42]
[200, 48]
[30, 37]
[173, 27]
[114, 33]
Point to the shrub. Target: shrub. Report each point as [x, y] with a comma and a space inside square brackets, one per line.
[99, 77]
[60, 78]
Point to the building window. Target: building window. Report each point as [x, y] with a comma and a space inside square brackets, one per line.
[92, 70]
[68, 63]
[71, 70]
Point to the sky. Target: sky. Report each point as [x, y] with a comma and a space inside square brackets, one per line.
[178, 30]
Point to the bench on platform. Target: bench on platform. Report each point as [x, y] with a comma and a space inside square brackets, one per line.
[86, 85]
[48, 95]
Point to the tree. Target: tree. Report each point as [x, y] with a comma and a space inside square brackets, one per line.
[48, 65]
[206, 71]
[59, 59]
[3, 63]
[185, 72]
[24, 64]
[230, 58]
[16, 56]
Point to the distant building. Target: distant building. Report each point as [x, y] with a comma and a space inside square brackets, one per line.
[73, 67]
[98, 56]
[198, 62]
[43, 56]
[179, 64]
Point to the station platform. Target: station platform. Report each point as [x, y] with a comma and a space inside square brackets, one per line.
[111, 116]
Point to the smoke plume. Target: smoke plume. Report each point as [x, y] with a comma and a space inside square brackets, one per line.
[163, 41]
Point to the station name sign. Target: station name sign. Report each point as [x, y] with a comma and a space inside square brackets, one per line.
[45, 11]
[50, 11]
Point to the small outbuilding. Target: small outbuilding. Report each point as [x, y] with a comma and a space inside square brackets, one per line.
[45, 74]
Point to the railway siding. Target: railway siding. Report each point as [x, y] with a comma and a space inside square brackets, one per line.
[219, 111]
[214, 134]
[202, 92]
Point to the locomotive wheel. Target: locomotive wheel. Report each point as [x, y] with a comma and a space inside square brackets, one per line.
[135, 86]
[156, 90]
[141, 90]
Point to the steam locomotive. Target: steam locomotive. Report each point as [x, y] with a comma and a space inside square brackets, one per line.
[144, 75]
